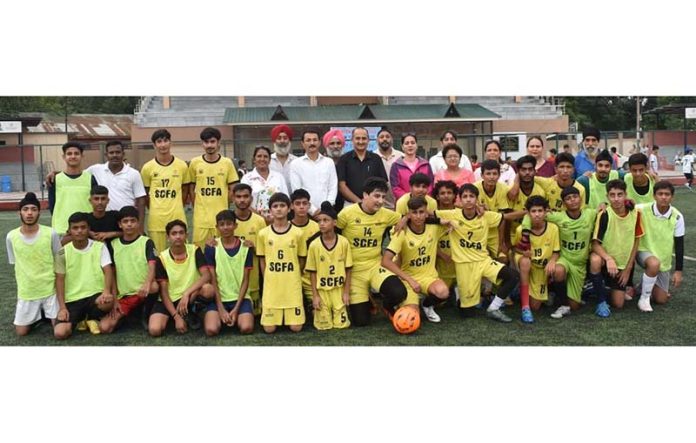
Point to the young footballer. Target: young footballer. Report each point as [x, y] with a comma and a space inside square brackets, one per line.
[565, 173]
[614, 246]
[30, 248]
[166, 181]
[596, 183]
[445, 192]
[69, 192]
[364, 225]
[300, 204]
[230, 263]
[415, 248]
[84, 278]
[329, 263]
[639, 184]
[282, 254]
[212, 177]
[134, 258]
[419, 183]
[523, 188]
[664, 234]
[537, 263]
[493, 196]
[469, 253]
[249, 224]
[183, 277]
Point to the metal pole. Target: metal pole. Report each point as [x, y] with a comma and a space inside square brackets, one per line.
[685, 133]
[637, 119]
[41, 168]
[21, 158]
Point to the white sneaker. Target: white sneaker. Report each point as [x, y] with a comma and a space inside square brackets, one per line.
[430, 314]
[456, 294]
[561, 312]
[644, 304]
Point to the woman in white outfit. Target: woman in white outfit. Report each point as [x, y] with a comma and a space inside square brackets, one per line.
[264, 182]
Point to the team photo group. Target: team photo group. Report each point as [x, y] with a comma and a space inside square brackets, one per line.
[339, 238]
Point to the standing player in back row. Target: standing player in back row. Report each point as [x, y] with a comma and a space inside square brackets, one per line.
[212, 177]
[300, 203]
[166, 181]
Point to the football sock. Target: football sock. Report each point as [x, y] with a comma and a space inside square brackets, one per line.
[561, 290]
[496, 303]
[598, 287]
[431, 300]
[648, 284]
[524, 295]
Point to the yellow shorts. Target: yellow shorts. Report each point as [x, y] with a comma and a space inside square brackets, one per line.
[255, 298]
[469, 277]
[200, 235]
[411, 297]
[538, 283]
[449, 281]
[333, 313]
[159, 238]
[282, 316]
[446, 272]
[364, 279]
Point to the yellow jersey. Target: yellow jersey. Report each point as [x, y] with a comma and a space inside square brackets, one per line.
[308, 230]
[329, 264]
[365, 232]
[248, 230]
[418, 252]
[496, 202]
[553, 192]
[212, 180]
[165, 183]
[469, 239]
[282, 278]
[518, 204]
[402, 203]
[543, 246]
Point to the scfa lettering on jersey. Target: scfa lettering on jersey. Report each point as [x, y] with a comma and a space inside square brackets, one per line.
[444, 244]
[464, 243]
[211, 192]
[420, 261]
[364, 242]
[280, 267]
[165, 193]
[573, 245]
[330, 282]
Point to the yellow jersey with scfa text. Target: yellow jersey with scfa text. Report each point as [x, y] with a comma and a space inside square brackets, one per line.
[364, 233]
[282, 284]
[308, 230]
[329, 264]
[212, 180]
[165, 184]
[417, 251]
[469, 238]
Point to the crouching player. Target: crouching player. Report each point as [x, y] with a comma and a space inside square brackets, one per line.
[230, 263]
[134, 258]
[84, 278]
[416, 250]
[282, 254]
[183, 276]
[329, 263]
[537, 263]
[469, 253]
[664, 233]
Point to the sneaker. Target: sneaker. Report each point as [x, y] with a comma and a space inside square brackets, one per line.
[561, 312]
[93, 327]
[629, 293]
[527, 316]
[603, 310]
[456, 295]
[644, 304]
[430, 314]
[498, 315]
[82, 326]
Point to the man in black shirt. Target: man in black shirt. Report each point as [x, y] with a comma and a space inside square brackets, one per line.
[103, 224]
[357, 166]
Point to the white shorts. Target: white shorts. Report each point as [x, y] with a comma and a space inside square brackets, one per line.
[662, 281]
[29, 311]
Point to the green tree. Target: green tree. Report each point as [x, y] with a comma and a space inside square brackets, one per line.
[72, 105]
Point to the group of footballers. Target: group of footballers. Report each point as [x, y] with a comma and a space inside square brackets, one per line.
[478, 246]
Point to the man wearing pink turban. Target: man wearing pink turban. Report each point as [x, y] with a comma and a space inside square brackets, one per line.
[334, 141]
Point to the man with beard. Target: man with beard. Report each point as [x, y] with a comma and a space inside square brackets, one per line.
[334, 141]
[314, 173]
[587, 151]
[389, 155]
[281, 158]
[355, 167]
[31, 248]
[596, 184]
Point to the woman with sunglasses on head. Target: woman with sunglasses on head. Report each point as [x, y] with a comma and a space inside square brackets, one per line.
[408, 165]
[492, 151]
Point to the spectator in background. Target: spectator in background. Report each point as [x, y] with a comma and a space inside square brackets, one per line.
[409, 164]
[474, 162]
[314, 173]
[654, 161]
[389, 155]
[437, 162]
[334, 141]
[687, 167]
[281, 136]
[585, 160]
[264, 182]
[567, 149]
[552, 155]
[242, 168]
[356, 166]
[615, 158]
[492, 151]
[535, 148]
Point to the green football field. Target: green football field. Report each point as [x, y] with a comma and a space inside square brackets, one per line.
[673, 324]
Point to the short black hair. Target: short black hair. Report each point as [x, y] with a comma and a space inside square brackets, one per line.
[613, 149]
[160, 133]
[419, 179]
[311, 131]
[78, 217]
[451, 147]
[616, 184]
[603, 155]
[452, 133]
[209, 133]
[114, 143]
[536, 200]
[469, 187]
[490, 164]
[99, 190]
[241, 187]
[638, 159]
[526, 159]
[416, 203]
[384, 129]
[77, 145]
[375, 184]
[553, 151]
[279, 197]
[261, 148]
[565, 157]
[173, 224]
[473, 157]
[299, 194]
[225, 215]
[663, 184]
[128, 211]
[408, 134]
[449, 184]
[569, 190]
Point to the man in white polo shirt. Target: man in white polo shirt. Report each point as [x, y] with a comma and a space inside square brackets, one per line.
[314, 173]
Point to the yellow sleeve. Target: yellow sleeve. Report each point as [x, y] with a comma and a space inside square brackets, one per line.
[544, 182]
[432, 203]
[556, 240]
[232, 175]
[342, 220]
[401, 205]
[261, 243]
[311, 264]
[493, 218]
[185, 174]
[349, 254]
[302, 245]
[391, 217]
[448, 214]
[582, 197]
[396, 243]
[146, 175]
[191, 171]
[518, 235]
[502, 197]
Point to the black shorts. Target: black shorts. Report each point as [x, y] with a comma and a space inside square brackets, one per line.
[689, 177]
[83, 309]
[613, 282]
[159, 308]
